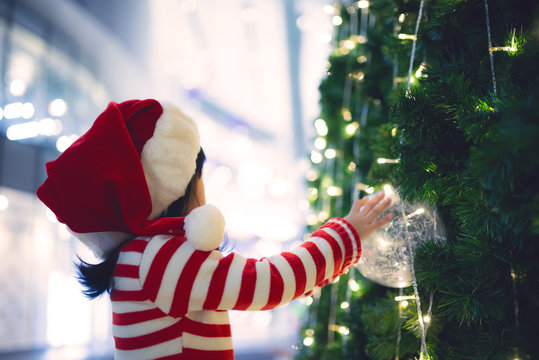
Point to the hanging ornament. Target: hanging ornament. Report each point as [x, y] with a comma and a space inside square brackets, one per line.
[387, 254]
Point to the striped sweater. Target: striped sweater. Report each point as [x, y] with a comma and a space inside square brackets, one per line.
[170, 301]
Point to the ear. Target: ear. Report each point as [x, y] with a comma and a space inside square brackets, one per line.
[204, 227]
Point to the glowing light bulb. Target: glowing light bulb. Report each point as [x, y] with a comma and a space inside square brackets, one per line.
[401, 18]
[330, 153]
[354, 286]
[320, 143]
[343, 330]
[328, 9]
[394, 132]
[308, 341]
[362, 4]
[349, 44]
[403, 304]
[345, 305]
[352, 166]
[17, 87]
[352, 128]
[369, 190]
[334, 191]
[361, 59]
[336, 20]
[426, 318]
[321, 127]
[57, 108]
[309, 332]
[316, 157]
[23, 131]
[346, 114]
[407, 37]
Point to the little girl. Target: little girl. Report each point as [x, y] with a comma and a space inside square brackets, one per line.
[131, 190]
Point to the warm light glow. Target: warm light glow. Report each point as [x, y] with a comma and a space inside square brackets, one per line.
[346, 114]
[336, 20]
[420, 69]
[407, 37]
[321, 127]
[28, 110]
[361, 59]
[404, 304]
[401, 18]
[394, 132]
[388, 189]
[17, 87]
[64, 142]
[352, 166]
[308, 341]
[334, 191]
[349, 44]
[57, 108]
[316, 157]
[387, 161]
[343, 330]
[382, 243]
[330, 153]
[312, 193]
[426, 318]
[320, 143]
[369, 190]
[354, 286]
[23, 131]
[309, 332]
[352, 128]
[312, 174]
[50, 127]
[362, 4]
[328, 9]
[323, 215]
[345, 305]
[4, 202]
[13, 110]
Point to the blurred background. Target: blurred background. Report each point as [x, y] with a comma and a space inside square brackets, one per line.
[246, 70]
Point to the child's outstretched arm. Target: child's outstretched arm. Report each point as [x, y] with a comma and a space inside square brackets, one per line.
[181, 279]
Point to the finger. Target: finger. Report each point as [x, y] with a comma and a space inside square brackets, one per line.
[359, 203]
[379, 208]
[383, 221]
[372, 202]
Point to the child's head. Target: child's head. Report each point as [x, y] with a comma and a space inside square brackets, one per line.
[141, 160]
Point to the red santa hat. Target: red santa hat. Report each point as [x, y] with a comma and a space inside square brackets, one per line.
[136, 159]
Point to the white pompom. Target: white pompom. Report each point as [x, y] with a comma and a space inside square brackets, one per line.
[204, 227]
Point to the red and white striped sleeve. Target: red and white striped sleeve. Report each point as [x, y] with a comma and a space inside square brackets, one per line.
[181, 279]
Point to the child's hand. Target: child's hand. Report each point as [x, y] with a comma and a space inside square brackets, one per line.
[364, 214]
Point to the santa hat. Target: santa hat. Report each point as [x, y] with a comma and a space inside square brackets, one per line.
[136, 159]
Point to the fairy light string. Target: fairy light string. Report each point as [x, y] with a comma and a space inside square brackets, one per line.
[423, 353]
[490, 52]
[414, 40]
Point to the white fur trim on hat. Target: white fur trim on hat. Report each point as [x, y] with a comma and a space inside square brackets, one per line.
[169, 157]
[204, 227]
[101, 243]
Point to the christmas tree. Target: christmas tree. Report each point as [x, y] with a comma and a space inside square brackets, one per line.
[438, 99]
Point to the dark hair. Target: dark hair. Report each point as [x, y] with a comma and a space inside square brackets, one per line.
[97, 278]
